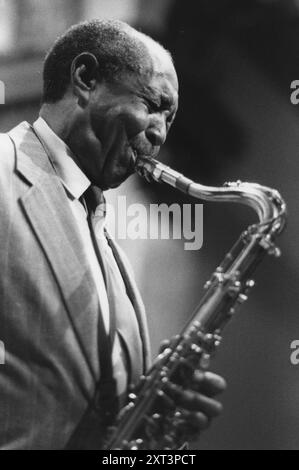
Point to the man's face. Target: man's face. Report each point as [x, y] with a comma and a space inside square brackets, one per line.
[130, 118]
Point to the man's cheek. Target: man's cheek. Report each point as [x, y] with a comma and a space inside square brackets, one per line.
[136, 122]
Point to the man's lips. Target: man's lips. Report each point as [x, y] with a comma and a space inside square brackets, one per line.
[133, 160]
[134, 155]
[141, 155]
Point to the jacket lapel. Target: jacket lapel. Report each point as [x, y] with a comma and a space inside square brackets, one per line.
[46, 206]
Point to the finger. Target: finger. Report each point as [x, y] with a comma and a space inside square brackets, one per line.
[195, 421]
[194, 401]
[208, 383]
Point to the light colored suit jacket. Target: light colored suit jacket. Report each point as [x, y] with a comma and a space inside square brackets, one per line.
[48, 305]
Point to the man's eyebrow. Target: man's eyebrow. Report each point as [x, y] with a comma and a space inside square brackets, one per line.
[151, 93]
[163, 100]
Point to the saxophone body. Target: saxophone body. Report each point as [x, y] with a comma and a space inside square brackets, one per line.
[151, 419]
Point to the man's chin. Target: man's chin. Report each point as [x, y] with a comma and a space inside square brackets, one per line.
[114, 182]
[114, 185]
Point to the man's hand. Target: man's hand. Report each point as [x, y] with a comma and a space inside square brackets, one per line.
[196, 402]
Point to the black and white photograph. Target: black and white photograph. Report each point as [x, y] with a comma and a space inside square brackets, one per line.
[149, 230]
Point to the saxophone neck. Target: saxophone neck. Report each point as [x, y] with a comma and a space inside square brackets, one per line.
[266, 202]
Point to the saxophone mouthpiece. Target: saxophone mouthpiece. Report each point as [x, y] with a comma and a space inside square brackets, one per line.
[145, 167]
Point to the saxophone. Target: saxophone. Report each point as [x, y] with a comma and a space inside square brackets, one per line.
[151, 420]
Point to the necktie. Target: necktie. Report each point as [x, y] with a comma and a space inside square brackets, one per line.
[124, 331]
[94, 202]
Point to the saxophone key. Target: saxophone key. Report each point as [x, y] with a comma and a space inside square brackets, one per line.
[132, 397]
[207, 285]
[204, 362]
[196, 349]
[242, 298]
[250, 284]
[235, 288]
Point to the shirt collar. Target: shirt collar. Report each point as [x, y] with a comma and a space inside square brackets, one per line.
[63, 160]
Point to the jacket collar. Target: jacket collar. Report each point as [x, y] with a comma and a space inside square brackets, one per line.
[62, 159]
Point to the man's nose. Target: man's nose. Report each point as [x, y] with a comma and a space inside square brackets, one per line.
[156, 131]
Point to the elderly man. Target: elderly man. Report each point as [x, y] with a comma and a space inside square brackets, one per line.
[71, 318]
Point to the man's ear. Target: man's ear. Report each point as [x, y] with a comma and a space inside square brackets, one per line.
[84, 75]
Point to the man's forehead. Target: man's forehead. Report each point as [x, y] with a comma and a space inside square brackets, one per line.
[157, 76]
[157, 60]
[160, 75]
[162, 88]
[162, 66]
